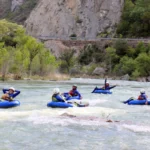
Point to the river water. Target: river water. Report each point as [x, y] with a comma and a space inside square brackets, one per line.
[34, 126]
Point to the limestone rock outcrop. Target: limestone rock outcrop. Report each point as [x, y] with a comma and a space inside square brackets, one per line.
[99, 71]
[85, 19]
[5, 5]
[16, 3]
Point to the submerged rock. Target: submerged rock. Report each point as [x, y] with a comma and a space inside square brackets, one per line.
[68, 115]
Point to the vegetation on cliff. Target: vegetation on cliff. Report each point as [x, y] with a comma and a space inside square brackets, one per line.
[21, 54]
[117, 59]
[135, 20]
[20, 13]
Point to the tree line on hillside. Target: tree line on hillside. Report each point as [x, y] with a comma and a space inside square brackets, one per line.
[21, 54]
[135, 20]
[118, 58]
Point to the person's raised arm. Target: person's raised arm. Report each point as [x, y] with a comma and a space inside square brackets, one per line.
[105, 83]
[17, 92]
[5, 90]
[112, 87]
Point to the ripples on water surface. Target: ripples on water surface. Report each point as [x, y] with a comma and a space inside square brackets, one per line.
[33, 126]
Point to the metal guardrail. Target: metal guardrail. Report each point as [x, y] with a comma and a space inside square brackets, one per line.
[89, 39]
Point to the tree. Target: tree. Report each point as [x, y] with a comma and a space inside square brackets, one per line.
[126, 66]
[67, 60]
[143, 64]
[4, 62]
[47, 62]
[135, 19]
[111, 58]
[121, 47]
[91, 53]
[22, 54]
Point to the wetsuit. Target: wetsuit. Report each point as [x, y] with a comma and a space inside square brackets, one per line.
[12, 95]
[142, 97]
[57, 98]
[75, 93]
[109, 87]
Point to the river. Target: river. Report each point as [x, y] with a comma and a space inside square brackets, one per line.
[34, 126]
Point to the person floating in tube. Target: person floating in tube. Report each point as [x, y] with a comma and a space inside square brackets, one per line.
[107, 86]
[57, 97]
[9, 94]
[74, 92]
[143, 96]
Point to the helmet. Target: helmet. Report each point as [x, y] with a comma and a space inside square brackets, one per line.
[142, 91]
[56, 91]
[107, 82]
[12, 88]
[75, 85]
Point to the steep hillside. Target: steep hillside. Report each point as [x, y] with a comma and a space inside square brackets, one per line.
[82, 18]
[5, 6]
[135, 20]
[16, 10]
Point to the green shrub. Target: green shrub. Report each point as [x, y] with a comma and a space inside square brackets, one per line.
[22, 54]
[143, 64]
[121, 47]
[126, 66]
[135, 19]
[135, 74]
[67, 60]
[91, 53]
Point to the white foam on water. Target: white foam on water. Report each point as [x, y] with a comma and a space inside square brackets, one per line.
[11, 116]
[97, 101]
[48, 114]
[137, 128]
[65, 121]
[76, 115]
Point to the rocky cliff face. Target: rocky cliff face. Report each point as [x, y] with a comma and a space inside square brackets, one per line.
[16, 10]
[9, 5]
[5, 6]
[16, 3]
[83, 18]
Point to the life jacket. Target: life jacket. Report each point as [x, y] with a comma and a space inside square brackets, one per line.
[54, 99]
[72, 93]
[107, 85]
[141, 97]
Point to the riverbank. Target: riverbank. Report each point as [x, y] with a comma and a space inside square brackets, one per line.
[51, 77]
[60, 77]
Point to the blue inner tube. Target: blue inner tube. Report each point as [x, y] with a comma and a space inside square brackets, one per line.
[101, 91]
[64, 105]
[137, 102]
[7, 104]
[58, 105]
[68, 97]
